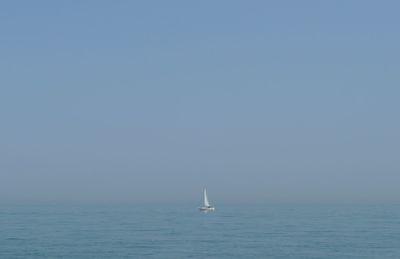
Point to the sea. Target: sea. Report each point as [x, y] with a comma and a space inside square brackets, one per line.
[181, 231]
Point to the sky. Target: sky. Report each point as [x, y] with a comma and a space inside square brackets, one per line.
[150, 101]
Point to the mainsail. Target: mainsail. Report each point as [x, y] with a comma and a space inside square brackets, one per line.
[206, 204]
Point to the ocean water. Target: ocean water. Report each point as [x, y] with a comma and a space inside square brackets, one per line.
[181, 231]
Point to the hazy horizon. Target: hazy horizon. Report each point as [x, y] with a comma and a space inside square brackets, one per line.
[261, 102]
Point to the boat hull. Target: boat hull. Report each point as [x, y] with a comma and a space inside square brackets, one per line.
[207, 208]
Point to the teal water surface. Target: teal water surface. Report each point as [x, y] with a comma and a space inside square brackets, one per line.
[180, 231]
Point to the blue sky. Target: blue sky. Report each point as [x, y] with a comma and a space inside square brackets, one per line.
[149, 101]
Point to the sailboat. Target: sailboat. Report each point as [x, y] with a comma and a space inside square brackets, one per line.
[207, 206]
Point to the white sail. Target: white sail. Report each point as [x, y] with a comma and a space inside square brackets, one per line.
[206, 203]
